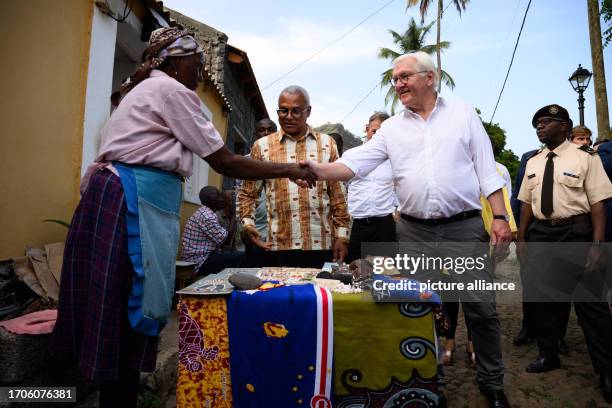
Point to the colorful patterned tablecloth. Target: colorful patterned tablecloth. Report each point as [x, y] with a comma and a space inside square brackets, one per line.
[383, 354]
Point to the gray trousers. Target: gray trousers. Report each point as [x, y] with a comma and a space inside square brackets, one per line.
[483, 318]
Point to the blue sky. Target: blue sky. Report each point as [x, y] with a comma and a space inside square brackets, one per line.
[279, 35]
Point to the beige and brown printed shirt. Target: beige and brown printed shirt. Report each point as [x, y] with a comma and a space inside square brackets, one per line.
[298, 218]
[579, 180]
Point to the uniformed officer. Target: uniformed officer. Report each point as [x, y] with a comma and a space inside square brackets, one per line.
[564, 188]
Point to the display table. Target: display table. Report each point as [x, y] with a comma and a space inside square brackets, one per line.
[383, 354]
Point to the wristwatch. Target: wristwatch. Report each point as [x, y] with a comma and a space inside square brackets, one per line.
[504, 217]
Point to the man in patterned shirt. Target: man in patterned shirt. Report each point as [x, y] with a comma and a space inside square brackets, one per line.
[304, 225]
[203, 235]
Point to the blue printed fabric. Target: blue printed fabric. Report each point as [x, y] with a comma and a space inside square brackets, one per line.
[273, 343]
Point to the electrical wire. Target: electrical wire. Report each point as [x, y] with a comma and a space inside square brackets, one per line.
[511, 61]
[328, 45]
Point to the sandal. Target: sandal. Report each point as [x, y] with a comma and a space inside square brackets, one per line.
[471, 359]
[448, 357]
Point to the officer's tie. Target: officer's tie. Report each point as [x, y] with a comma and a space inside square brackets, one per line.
[547, 186]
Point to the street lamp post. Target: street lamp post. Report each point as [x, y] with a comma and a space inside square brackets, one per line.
[580, 81]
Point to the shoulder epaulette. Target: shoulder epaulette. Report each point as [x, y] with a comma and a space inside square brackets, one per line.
[587, 149]
[534, 154]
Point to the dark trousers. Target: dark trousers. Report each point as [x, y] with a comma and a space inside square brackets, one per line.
[299, 259]
[551, 317]
[372, 229]
[218, 261]
[256, 257]
[452, 309]
[482, 315]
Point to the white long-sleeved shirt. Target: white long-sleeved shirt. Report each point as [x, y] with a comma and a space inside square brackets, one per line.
[440, 165]
[372, 195]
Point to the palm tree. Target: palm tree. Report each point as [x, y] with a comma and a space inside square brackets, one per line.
[413, 39]
[423, 6]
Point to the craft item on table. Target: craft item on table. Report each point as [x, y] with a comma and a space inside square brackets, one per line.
[216, 284]
[331, 284]
[288, 275]
[281, 344]
[245, 281]
[324, 275]
[361, 269]
[342, 273]
[394, 365]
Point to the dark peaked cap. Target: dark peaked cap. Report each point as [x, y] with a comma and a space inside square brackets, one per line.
[551, 111]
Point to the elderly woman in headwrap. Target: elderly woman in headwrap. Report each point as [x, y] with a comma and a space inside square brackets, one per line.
[118, 272]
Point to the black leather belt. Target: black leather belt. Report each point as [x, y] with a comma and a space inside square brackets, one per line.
[565, 221]
[372, 220]
[438, 221]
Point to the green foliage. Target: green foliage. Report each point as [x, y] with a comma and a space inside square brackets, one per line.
[413, 39]
[60, 222]
[606, 15]
[498, 141]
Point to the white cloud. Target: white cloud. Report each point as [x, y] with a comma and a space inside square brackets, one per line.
[292, 40]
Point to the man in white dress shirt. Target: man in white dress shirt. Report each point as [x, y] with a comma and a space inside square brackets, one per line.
[371, 202]
[442, 160]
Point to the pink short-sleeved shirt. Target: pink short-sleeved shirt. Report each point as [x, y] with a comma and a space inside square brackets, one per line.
[159, 124]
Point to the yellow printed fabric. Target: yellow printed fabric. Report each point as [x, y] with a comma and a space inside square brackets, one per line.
[384, 353]
[487, 213]
[204, 369]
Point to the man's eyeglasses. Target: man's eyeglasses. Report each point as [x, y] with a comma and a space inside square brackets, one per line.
[295, 112]
[545, 122]
[404, 78]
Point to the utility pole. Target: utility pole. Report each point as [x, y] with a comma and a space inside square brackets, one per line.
[599, 76]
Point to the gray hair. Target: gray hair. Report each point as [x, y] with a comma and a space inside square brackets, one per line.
[380, 116]
[296, 89]
[422, 62]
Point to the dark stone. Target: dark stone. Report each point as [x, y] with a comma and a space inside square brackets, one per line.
[245, 281]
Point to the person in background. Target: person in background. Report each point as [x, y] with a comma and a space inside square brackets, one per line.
[581, 135]
[204, 236]
[563, 201]
[372, 201]
[306, 228]
[256, 247]
[598, 143]
[149, 141]
[227, 219]
[526, 333]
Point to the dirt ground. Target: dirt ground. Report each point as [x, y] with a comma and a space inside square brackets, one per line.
[574, 385]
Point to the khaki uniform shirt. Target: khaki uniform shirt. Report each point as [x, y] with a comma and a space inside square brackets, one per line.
[579, 181]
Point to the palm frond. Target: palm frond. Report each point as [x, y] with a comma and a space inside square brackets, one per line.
[387, 53]
[448, 80]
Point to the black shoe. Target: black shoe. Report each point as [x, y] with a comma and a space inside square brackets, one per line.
[543, 364]
[605, 382]
[523, 337]
[563, 349]
[442, 401]
[496, 398]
